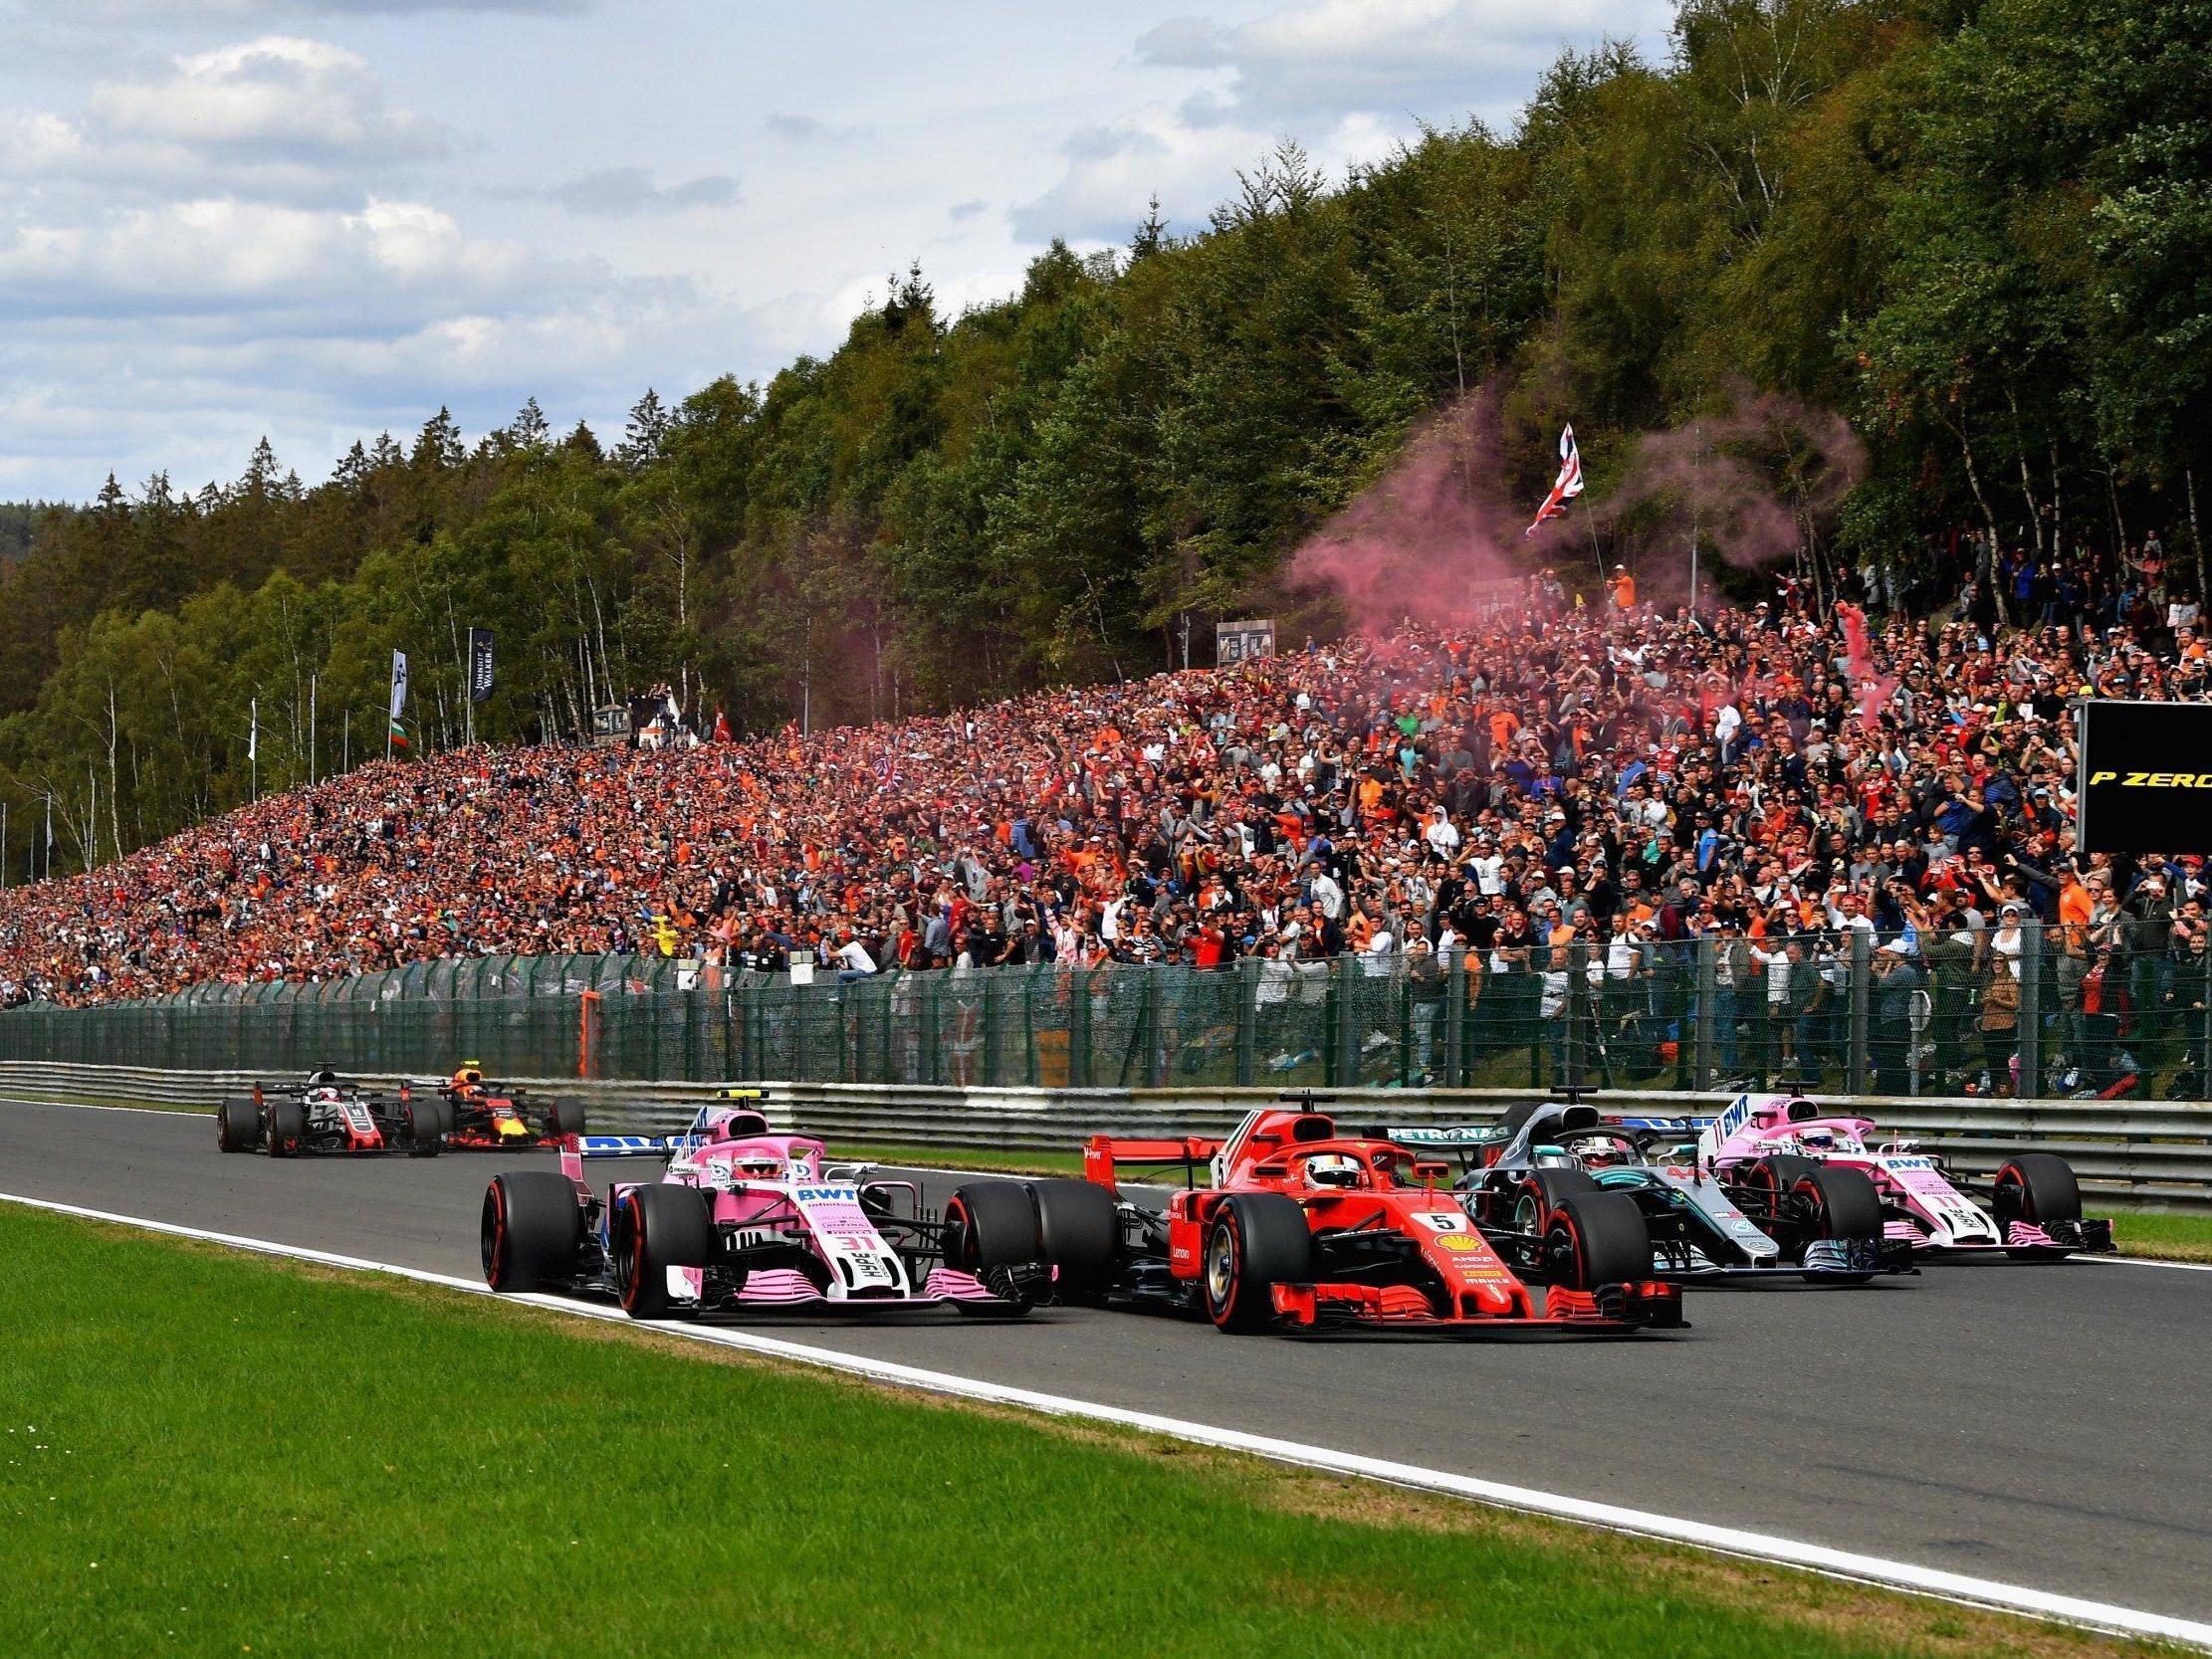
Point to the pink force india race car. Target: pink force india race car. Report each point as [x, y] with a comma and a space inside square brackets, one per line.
[2031, 1209]
[741, 1220]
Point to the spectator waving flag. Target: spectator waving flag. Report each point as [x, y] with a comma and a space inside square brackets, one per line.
[1567, 485]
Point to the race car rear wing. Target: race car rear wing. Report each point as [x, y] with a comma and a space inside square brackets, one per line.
[620, 1145]
[1102, 1153]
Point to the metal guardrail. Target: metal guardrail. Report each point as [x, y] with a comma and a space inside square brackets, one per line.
[2135, 1151]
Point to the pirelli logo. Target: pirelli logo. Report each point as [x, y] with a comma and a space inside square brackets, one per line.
[2153, 781]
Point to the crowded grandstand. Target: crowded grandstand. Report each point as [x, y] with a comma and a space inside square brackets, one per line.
[1545, 775]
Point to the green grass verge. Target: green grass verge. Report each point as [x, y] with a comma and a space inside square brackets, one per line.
[1011, 1161]
[209, 1453]
[2162, 1235]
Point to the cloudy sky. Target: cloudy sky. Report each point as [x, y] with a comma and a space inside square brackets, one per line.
[317, 219]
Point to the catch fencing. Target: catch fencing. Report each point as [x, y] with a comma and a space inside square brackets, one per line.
[2136, 1153]
[2037, 1014]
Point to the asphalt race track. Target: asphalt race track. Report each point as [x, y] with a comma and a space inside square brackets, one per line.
[2044, 1427]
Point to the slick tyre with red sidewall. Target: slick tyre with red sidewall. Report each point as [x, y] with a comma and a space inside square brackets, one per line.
[2039, 1188]
[656, 1228]
[1255, 1242]
[992, 1224]
[1843, 1205]
[1543, 1190]
[1597, 1238]
[531, 1231]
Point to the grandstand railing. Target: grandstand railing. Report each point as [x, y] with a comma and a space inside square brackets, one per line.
[1848, 1014]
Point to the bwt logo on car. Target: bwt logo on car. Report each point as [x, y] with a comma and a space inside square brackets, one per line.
[829, 1195]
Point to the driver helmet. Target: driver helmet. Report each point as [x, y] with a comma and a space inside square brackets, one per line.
[1599, 1154]
[467, 1077]
[324, 1078]
[1816, 1140]
[1333, 1170]
[757, 1168]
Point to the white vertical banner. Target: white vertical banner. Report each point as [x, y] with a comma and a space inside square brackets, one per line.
[253, 729]
[398, 682]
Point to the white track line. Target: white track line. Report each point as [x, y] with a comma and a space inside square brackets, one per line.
[185, 1111]
[1730, 1541]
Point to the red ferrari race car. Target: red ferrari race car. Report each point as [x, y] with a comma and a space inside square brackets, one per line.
[1301, 1228]
[328, 1114]
[485, 1115]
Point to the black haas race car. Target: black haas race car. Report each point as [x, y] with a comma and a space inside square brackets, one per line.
[489, 1115]
[328, 1114]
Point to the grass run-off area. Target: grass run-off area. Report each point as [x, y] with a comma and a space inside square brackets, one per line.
[215, 1453]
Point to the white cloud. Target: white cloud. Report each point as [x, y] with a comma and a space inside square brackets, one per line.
[225, 257]
[230, 11]
[1346, 79]
[278, 93]
[1440, 58]
[317, 218]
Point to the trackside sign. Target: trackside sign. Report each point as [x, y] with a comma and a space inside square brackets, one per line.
[2146, 777]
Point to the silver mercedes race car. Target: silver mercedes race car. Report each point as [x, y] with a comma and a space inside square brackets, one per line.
[1702, 1228]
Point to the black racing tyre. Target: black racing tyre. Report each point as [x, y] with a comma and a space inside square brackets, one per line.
[1843, 1201]
[991, 1224]
[1776, 1174]
[237, 1124]
[1543, 1190]
[563, 1118]
[531, 1231]
[1256, 1241]
[429, 1122]
[1081, 1233]
[655, 1228]
[2038, 1187]
[287, 1128]
[1597, 1238]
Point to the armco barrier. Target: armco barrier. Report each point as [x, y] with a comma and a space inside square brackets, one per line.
[2139, 1150]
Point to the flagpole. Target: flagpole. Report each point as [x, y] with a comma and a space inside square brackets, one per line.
[253, 744]
[1697, 467]
[310, 730]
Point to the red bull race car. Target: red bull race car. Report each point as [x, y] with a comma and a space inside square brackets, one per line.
[326, 1113]
[489, 1115]
[1297, 1227]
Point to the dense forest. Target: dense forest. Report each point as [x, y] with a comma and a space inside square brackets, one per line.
[1980, 233]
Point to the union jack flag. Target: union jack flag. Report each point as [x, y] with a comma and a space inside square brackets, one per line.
[1567, 485]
